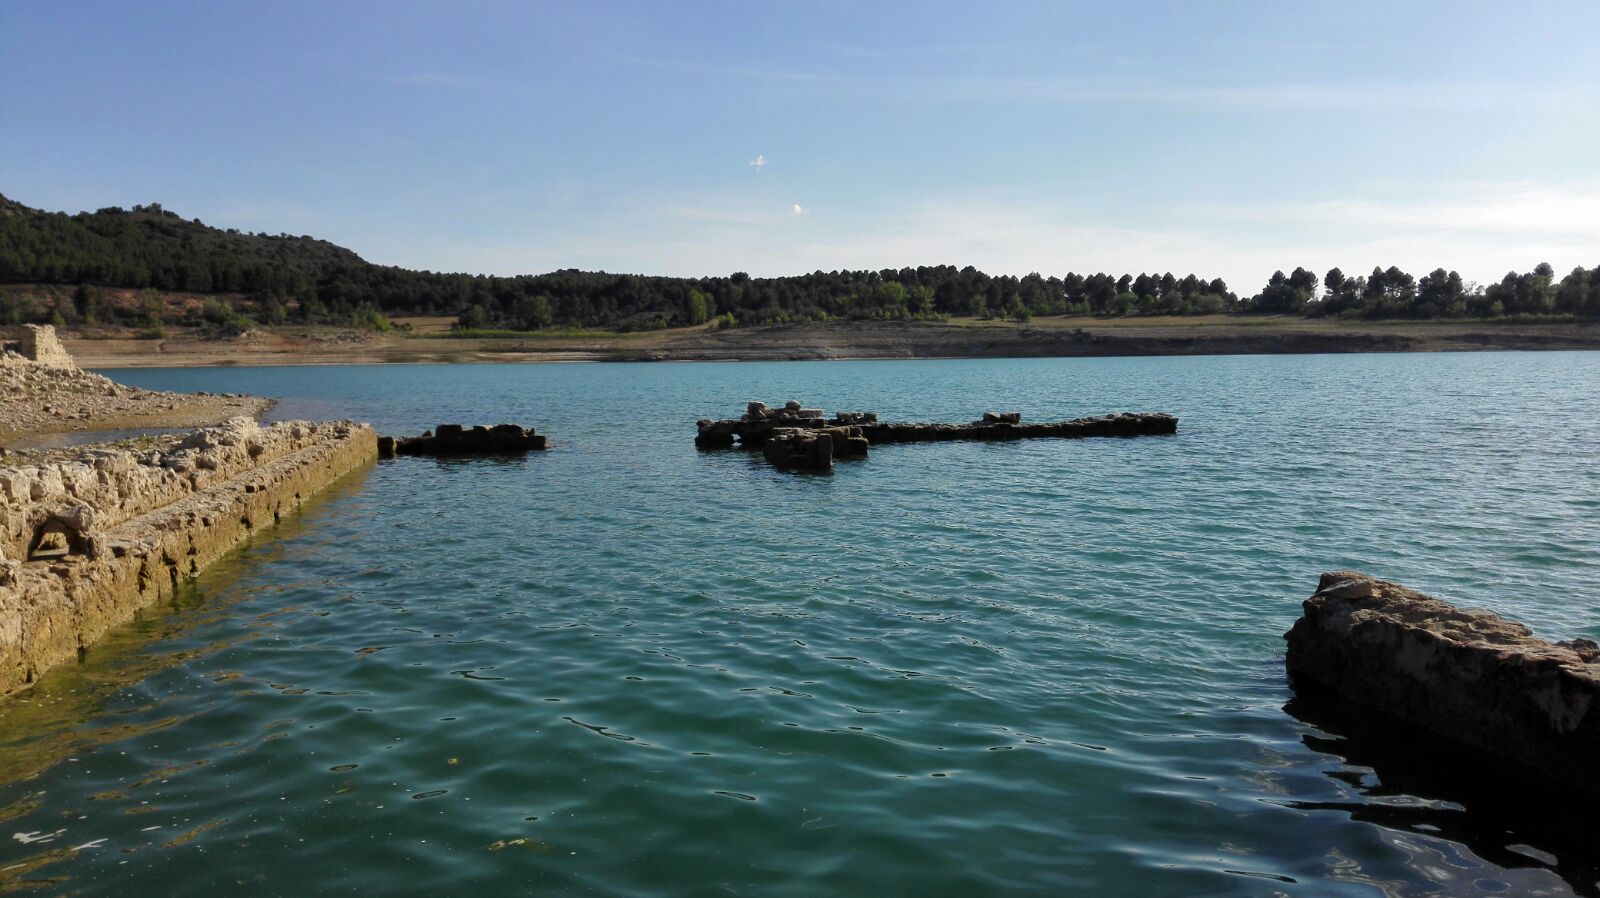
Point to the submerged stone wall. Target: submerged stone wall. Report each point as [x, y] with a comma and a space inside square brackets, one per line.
[88, 542]
[761, 423]
[458, 439]
[1470, 676]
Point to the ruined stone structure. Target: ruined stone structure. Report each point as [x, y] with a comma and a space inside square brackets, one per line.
[456, 439]
[1469, 676]
[798, 429]
[87, 542]
[39, 346]
[813, 449]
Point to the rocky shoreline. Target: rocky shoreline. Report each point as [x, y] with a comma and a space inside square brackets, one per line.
[42, 390]
[86, 542]
[90, 535]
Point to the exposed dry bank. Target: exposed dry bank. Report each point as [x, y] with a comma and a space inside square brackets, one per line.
[43, 391]
[88, 541]
[960, 338]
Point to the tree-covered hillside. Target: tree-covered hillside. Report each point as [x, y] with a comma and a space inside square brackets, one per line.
[274, 279]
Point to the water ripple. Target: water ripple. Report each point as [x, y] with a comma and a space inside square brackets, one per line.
[626, 667]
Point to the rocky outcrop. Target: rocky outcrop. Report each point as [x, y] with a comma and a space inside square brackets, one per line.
[1469, 676]
[43, 391]
[457, 439]
[88, 541]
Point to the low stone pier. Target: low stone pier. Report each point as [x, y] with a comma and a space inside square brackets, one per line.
[458, 439]
[852, 433]
[85, 543]
[1472, 677]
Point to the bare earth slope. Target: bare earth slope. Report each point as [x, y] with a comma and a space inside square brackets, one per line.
[1219, 335]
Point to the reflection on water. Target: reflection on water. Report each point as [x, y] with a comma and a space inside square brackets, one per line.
[78, 708]
[85, 437]
[1408, 780]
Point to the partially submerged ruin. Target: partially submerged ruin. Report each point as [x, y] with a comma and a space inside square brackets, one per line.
[1471, 677]
[800, 438]
[85, 543]
[458, 439]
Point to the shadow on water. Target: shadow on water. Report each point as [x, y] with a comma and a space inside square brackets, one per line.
[465, 462]
[1413, 781]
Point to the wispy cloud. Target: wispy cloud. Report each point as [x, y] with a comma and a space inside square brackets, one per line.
[1483, 232]
[1347, 96]
[1566, 211]
[897, 51]
[759, 162]
[437, 79]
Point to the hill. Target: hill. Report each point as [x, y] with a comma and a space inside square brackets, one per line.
[145, 267]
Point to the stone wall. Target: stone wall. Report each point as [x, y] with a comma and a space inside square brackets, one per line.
[134, 525]
[39, 345]
[1469, 676]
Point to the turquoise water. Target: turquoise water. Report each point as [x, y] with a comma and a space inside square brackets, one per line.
[624, 667]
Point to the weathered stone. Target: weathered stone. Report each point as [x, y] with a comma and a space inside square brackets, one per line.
[135, 528]
[1468, 676]
[40, 346]
[800, 450]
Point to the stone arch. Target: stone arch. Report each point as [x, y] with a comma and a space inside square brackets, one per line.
[56, 539]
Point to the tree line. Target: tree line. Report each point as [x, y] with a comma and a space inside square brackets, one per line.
[1392, 293]
[276, 279]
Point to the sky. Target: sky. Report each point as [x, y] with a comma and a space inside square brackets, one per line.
[1224, 138]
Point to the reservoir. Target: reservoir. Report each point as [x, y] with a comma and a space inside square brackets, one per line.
[627, 667]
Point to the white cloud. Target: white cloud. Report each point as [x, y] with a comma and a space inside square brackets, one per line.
[1569, 210]
[1481, 231]
[759, 162]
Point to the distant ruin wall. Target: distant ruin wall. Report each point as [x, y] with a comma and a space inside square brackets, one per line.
[135, 525]
[40, 346]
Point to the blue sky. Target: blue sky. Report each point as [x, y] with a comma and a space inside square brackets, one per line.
[1223, 138]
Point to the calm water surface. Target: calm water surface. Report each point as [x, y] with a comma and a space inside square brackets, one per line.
[623, 667]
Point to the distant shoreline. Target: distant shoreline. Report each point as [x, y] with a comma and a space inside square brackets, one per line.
[961, 338]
